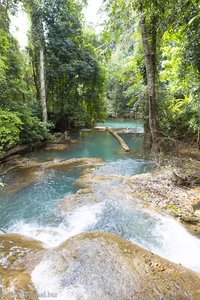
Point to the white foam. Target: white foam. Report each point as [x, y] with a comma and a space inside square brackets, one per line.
[175, 243]
[47, 284]
[84, 217]
[124, 167]
[178, 245]
[74, 223]
[50, 236]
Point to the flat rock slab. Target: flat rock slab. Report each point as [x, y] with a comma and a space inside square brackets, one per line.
[28, 171]
[104, 266]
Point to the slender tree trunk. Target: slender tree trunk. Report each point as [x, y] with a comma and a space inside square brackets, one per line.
[42, 85]
[150, 64]
[35, 78]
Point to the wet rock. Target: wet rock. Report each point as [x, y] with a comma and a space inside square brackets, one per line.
[14, 250]
[82, 197]
[56, 164]
[16, 285]
[57, 147]
[130, 130]
[104, 266]
[21, 179]
[87, 180]
[27, 172]
[25, 163]
[18, 256]
[99, 128]
[16, 163]
[157, 190]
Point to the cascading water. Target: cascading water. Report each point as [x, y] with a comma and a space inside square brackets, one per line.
[35, 209]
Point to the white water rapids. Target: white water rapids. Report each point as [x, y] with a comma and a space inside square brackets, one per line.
[160, 234]
[166, 237]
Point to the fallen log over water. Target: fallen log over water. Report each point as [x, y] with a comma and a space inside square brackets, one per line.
[120, 140]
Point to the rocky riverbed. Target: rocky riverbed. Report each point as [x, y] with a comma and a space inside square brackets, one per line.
[159, 191]
[99, 264]
[156, 190]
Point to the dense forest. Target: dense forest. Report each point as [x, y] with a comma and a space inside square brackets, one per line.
[100, 149]
[144, 64]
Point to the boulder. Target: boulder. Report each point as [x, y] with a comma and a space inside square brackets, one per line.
[100, 265]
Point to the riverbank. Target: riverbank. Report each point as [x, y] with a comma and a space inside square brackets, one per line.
[157, 190]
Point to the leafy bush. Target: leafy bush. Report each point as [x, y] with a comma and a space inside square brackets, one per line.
[10, 127]
[33, 130]
[16, 128]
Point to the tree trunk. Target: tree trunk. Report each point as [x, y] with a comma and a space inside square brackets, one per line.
[35, 76]
[42, 85]
[150, 64]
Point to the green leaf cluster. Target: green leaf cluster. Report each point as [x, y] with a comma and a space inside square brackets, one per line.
[10, 128]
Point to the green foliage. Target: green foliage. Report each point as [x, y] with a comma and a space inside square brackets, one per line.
[175, 27]
[74, 76]
[126, 90]
[78, 63]
[10, 128]
[21, 128]
[179, 113]
[18, 120]
[33, 130]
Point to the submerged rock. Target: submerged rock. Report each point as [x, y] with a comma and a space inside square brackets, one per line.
[18, 256]
[104, 266]
[27, 172]
[57, 147]
[68, 163]
[25, 163]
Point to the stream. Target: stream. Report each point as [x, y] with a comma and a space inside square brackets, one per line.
[35, 210]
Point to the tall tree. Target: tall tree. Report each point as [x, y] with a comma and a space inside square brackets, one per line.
[18, 123]
[74, 76]
[155, 18]
[150, 64]
[131, 9]
[36, 11]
